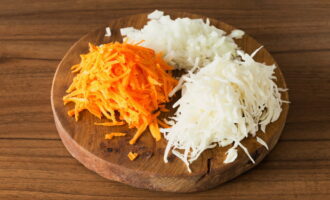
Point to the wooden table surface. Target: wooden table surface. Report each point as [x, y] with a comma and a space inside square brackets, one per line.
[34, 35]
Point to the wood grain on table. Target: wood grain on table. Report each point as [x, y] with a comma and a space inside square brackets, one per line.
[34, 35]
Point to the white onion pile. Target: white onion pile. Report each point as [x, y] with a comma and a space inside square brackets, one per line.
[183, 40]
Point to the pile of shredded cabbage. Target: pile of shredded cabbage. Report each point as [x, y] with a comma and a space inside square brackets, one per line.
[183, 40]
[221, 104]
[226, 95]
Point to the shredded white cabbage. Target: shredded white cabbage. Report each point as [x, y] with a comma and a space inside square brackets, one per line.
[262, 142]
[221, 104]
[231, 155]
[183, 40]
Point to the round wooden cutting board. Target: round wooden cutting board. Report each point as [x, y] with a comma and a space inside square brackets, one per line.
[86, 142]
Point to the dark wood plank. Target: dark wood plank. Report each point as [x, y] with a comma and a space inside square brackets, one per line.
[25, 98]
[36, 50]
[280, 25]
[46, 170]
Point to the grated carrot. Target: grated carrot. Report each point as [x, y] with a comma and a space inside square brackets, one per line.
[164, 110]
[123, 80]
[132, 156]
[109, 136]
[163, 124]
[109, 123]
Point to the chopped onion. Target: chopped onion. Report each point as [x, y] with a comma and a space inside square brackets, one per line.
[156, 14]
[183, 40]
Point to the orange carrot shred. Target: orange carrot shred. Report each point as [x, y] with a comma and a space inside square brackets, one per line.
[163, 124]
[109, 136]
[125, 81]
[109, 123]
[154, 130]
[132, 156]
[164, 110]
